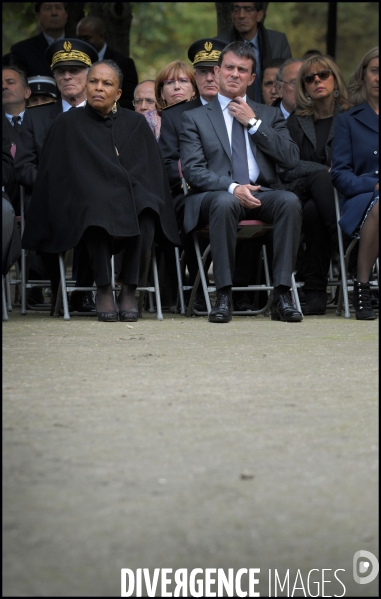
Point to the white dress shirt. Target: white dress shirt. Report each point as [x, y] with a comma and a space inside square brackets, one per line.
[101, 52]
[252, 163]
[66, 106]
[284, 111]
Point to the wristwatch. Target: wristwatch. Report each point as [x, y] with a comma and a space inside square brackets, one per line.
[251, 123]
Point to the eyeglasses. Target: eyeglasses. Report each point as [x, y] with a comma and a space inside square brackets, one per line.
[171, 82]
[292, 83]
[60, 71]
[323, 75]
[140, 101]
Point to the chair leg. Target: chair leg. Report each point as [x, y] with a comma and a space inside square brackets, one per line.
[4, 300]
[295, 293]
[201, 262]
[8, 291]
[63, 289]
[23, 282]
[156, 285]
[180, 280]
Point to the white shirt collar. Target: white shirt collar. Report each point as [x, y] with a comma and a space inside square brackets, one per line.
[284, 111]
[10, 117]
[101, 52]
[224, 101]
[66, 106]
[50, 40]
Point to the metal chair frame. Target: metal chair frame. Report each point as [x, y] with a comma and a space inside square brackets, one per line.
[68, 285]
[246, 229]
[345, 283]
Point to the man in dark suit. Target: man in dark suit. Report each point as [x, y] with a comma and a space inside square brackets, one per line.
[204, 55]
[230, 150]
[92, 31]
[29, 54]
[247, 20]
[69, 60]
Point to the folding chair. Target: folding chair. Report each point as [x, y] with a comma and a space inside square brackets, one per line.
[67, 285]
[246, 229]
[345, 283]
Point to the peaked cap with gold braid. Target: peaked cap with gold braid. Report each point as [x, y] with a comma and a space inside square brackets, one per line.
[71, 52]
[205, 52]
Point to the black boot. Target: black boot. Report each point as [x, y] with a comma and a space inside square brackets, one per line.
[362, 301]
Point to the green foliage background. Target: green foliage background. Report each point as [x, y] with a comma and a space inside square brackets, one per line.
[163, 31]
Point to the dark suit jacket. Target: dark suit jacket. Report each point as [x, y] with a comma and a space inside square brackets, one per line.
[355, 162]
[130, 76]
[206, 154]
[29, 55]
[169, 140]
[35, 126]
[272, 44]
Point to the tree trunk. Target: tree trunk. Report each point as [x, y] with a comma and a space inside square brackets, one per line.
[117, 17]
[224, 21]
[332, 29]
[75, 13]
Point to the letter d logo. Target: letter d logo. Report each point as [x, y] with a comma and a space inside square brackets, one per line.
[364, 559]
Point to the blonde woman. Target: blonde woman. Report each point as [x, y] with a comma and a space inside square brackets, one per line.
[321, 95]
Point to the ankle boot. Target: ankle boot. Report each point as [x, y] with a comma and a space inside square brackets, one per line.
[362, 301]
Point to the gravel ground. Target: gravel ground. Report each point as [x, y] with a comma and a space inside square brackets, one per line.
[185, 444]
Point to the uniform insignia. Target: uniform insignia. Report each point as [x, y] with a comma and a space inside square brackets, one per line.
[67, 46]
[208, 46]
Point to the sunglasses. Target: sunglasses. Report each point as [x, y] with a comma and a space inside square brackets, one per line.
[323, 75]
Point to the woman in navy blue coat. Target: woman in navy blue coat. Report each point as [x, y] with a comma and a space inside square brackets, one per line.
[355, 166]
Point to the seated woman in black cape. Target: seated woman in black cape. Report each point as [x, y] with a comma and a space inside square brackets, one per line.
[101, 182]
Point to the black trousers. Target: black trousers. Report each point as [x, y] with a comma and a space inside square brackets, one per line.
[223, 211]
[100, 246]
[320, 229]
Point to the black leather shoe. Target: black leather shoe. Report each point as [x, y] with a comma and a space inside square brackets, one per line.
[199, 303]
[283, 309]
[243, 304]
[222, 311]
[82, 301]
[128, 315]
[316, 303]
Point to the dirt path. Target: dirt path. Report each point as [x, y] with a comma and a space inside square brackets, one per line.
[183, 444]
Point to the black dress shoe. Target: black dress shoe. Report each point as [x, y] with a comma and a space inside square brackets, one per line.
[316, 303]
[199, 303]
[283, 309]
[82, 301]
[243, 304]
[128, 315]
[222, 311]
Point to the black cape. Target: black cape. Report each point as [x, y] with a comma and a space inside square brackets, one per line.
[97, 171]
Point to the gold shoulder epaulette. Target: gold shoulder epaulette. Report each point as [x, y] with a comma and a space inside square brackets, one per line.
[172, 105]
[43, 104]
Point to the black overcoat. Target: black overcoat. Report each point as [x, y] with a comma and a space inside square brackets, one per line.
[97, 171]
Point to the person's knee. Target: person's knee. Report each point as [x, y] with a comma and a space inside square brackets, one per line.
[291, 204]
[225, 203]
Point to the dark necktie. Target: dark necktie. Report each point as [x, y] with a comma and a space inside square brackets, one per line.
[239, 154]
[256, 84]
[16, 123]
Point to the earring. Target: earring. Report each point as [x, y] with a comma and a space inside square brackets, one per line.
[114, 109]
[336, 93]
[309, 100]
